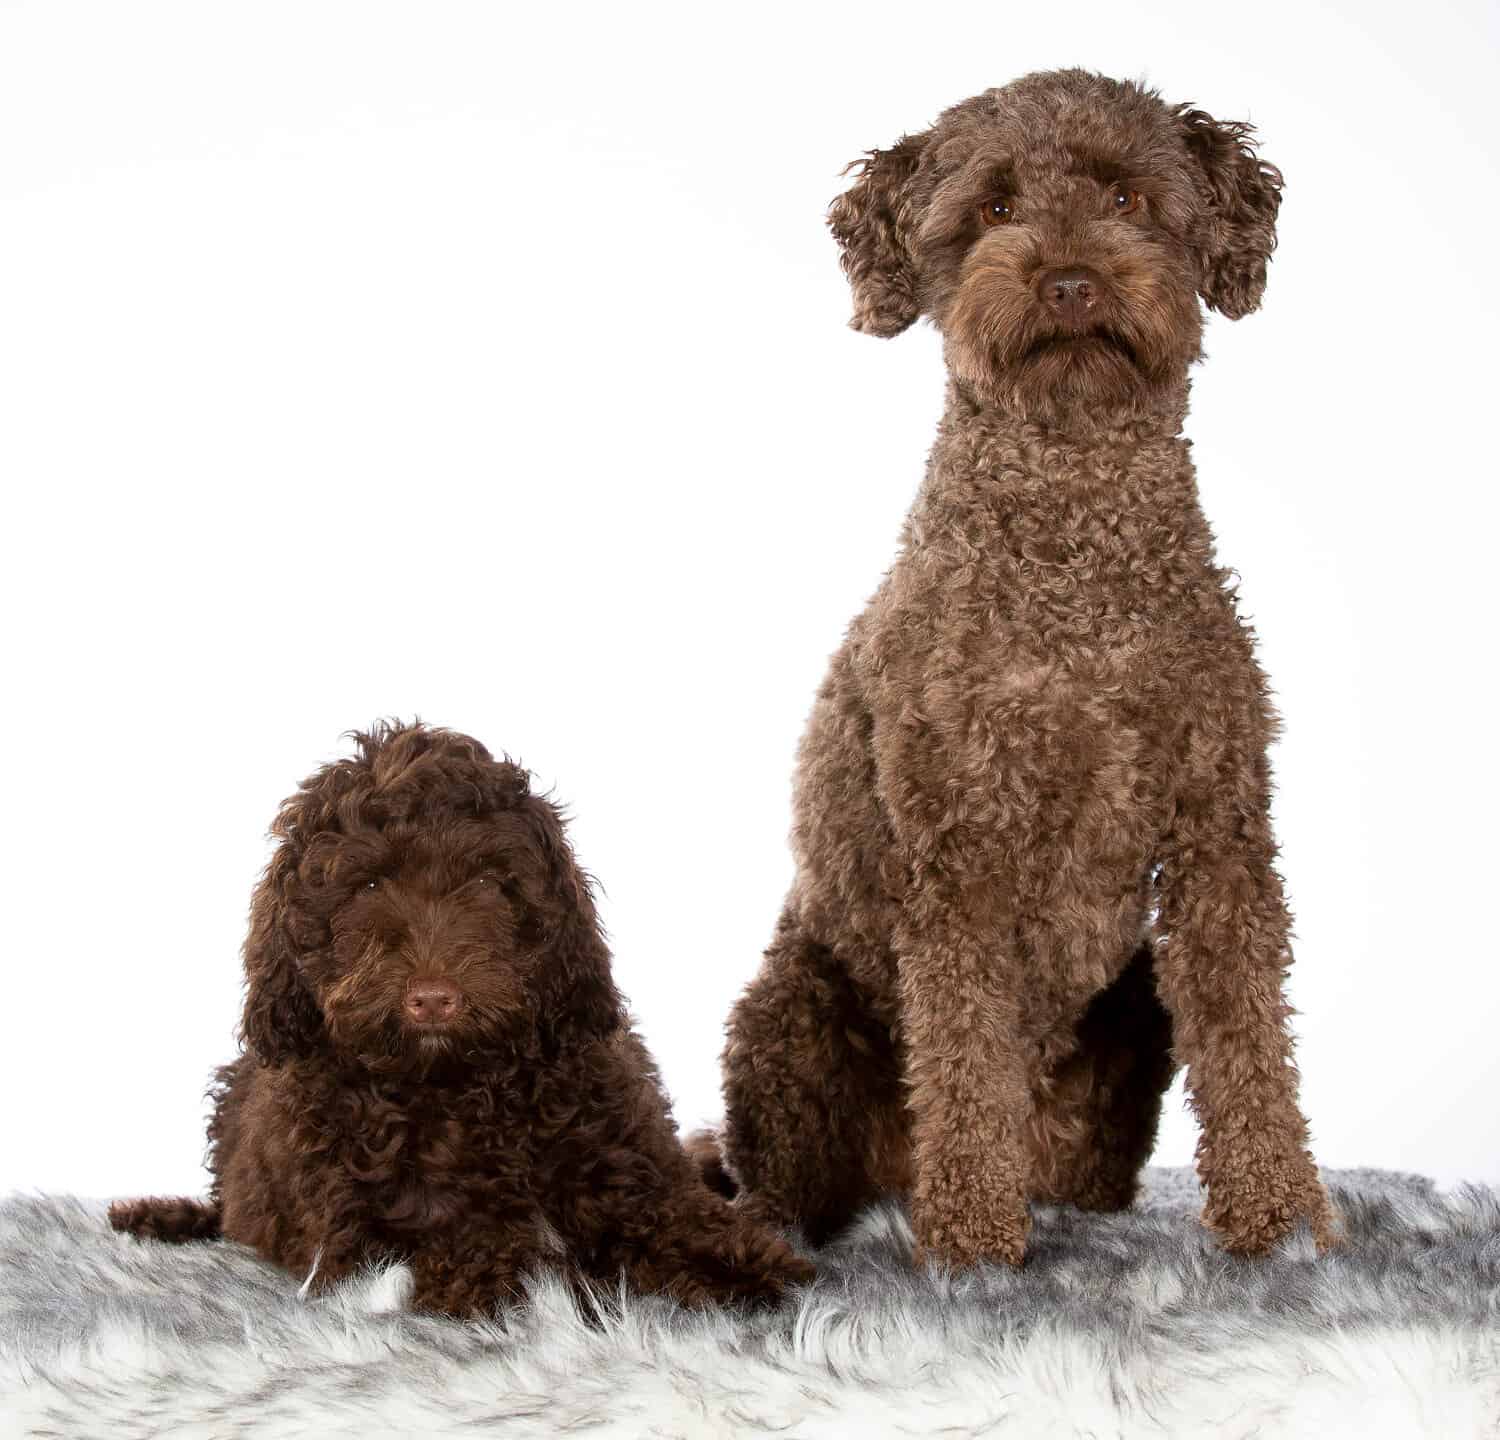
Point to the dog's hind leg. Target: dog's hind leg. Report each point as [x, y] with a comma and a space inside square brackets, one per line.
[1094, 1117]
[704, 1250]
[171, 1218]
[707, 1156]
[815, 1122]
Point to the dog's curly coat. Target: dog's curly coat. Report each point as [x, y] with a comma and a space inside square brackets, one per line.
[438, 1065]
[1047, 728]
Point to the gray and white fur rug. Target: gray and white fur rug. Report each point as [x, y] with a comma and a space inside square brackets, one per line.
[1118, 1326]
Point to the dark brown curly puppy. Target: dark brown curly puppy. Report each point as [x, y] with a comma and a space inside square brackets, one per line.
[1033, 794]
[438, 1065]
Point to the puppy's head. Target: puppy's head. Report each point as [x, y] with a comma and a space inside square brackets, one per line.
[422, 908]
[1060, 232]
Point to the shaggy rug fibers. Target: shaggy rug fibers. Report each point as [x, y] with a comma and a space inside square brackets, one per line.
[1128, 1325]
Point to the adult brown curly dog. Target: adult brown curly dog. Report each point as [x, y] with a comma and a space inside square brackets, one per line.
[438, 1067]
[1034, 853]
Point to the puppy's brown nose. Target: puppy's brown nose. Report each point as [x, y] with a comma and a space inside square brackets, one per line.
[430, 1002]
[1070, 294]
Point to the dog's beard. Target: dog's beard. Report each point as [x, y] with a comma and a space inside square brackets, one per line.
[1087, 346]
[1101, 366]
[395, 1048]
[372, 1034]
[375, 1039]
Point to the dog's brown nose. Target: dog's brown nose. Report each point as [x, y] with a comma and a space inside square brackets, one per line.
[430, 1002]
[1070, 294]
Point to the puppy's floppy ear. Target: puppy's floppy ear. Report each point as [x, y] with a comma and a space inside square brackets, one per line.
[575, 990]
[1238, 231]
[281, 1019]
[873, 221]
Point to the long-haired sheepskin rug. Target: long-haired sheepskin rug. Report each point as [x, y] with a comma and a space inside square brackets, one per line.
[1119, 1326]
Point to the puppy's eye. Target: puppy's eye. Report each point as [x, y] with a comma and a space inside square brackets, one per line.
[996, 211]
[1125, 201]
[370, 885]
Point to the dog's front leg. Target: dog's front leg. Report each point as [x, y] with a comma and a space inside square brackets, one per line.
[1220, 968]
[967, 1074]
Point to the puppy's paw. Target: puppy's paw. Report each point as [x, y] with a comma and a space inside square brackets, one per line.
[791, 1270]
[160, 1217]
[746, 1264]
[765, 1274]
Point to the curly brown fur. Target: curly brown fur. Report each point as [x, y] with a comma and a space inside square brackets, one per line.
[438, 1067]
[1046, 736]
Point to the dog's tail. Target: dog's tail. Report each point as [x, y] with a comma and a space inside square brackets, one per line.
[704, 1151]
[173, 1218]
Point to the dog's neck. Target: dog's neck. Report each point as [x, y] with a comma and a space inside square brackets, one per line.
[1013, 494]
[986, 454]
[1075, 428]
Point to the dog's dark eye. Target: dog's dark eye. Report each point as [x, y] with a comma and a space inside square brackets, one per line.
[370, 885]
[1125, 202]
[995, 212]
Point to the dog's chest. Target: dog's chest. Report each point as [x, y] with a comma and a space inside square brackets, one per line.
[424, 1167]
[1096, 584]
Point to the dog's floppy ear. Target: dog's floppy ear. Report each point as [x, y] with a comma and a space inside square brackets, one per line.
[873, 222]
[281, 1019]
[574, 988]
[1237, 233]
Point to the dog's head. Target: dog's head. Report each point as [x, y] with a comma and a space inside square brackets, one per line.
[421, 907]
[1060, 232]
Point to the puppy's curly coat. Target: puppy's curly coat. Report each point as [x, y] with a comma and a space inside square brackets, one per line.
[438, 1066]
[1034, 853]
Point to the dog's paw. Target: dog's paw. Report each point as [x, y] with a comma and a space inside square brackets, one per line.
[1256, 1210]
[969, 1238]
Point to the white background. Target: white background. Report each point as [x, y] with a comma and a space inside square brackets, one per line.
[370, 359]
